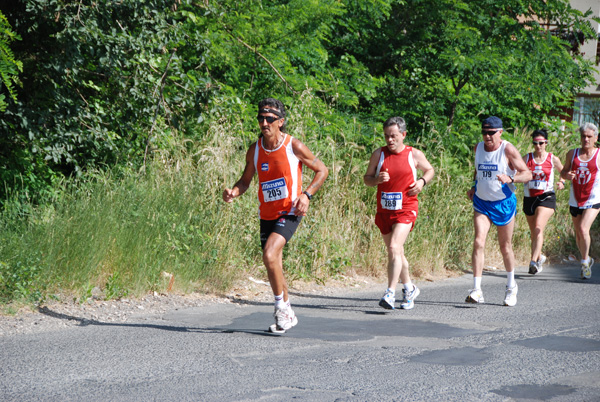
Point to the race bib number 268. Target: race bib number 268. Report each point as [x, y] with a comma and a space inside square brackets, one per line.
[274, 190]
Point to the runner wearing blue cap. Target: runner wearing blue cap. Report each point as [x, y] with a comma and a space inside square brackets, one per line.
[498, 165]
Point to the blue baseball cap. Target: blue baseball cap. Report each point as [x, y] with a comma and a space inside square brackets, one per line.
[491, 122]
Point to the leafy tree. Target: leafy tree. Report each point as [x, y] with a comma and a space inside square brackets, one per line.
[445, 62]
[106, 83]
[102, 83]
[9, 66]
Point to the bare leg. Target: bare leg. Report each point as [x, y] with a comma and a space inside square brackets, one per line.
[582, 224]
[273, 259]
[537, 225]
[397, 262]
[505, 241]
[482, 227]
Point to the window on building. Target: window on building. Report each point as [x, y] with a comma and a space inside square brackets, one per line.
[587, 110]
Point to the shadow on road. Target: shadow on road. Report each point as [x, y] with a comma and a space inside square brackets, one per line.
[87, 322]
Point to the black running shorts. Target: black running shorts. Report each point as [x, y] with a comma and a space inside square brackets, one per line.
[547, 200]
[285, 226]
[578, 211]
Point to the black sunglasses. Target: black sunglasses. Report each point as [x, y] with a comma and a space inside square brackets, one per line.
[539, 142]
[490, 132]
[269, 119]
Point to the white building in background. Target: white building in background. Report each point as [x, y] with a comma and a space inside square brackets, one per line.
[587, 103]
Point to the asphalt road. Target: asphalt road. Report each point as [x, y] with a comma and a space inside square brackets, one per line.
[345, 348]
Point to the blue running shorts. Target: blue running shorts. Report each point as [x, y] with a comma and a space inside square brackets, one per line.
[500, 212]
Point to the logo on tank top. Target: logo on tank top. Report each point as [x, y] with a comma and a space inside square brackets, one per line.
[488, 167]
[583, 175]
[538, 174]
[264, 167]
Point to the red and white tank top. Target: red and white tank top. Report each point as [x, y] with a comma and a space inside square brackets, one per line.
[542, 176]
[391, 195]
[279, 179]
[585, 187]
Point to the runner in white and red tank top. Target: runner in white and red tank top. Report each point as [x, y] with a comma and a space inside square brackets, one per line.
[581, 167]
[539, 201]
[393, 169]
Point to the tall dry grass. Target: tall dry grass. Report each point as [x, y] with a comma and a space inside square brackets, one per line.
[121, 233]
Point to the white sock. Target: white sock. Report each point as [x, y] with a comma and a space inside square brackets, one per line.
[477, 282]
[586, 261]
[409, 286]
[279, 303]
[510, 279]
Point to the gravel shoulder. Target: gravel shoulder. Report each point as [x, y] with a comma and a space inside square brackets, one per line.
[57, 315]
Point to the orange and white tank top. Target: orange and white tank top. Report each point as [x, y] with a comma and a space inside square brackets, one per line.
[279, 179]
[585, 187]
[391, 195]
[542, 180]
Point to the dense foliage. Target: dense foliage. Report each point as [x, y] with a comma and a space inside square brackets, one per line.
[122, 120]
[9, 67]
[106, 83]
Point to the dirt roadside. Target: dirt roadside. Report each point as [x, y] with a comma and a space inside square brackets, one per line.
[56, 315]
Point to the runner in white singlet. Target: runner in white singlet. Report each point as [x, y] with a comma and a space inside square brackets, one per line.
[498, 165]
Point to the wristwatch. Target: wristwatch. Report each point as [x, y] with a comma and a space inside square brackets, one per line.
[306, 193]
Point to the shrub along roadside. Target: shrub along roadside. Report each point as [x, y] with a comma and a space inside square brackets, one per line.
[126, 234]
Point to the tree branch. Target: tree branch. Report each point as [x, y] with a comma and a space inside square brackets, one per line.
[160, 98]
[268, 62]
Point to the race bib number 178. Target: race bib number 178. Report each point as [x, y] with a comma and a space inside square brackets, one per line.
[274, 190]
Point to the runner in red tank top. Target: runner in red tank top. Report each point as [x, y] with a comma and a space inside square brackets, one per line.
[584, 215]
[539, 201]
[278, 160]
[393, 170]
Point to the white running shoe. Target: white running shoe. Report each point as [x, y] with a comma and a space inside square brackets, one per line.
[586, 269]
[511, 296]
[533, 267]
[540, 263]
[387, 301]
[285, 318]
[408, 301]
[475, 296]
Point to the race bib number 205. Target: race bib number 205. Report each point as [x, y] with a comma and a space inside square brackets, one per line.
[274, 190]
[391, 201]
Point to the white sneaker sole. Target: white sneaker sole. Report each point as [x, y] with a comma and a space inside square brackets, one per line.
[273, 328]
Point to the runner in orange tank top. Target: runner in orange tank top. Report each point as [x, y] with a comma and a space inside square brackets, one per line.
[277, 159]
[393, 169]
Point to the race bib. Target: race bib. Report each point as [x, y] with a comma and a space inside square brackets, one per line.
[537, 185]
[391, 201]
[487, 171]
[274, 190]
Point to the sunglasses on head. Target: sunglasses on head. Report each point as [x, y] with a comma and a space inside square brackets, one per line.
[539, 142]
[269, 119]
